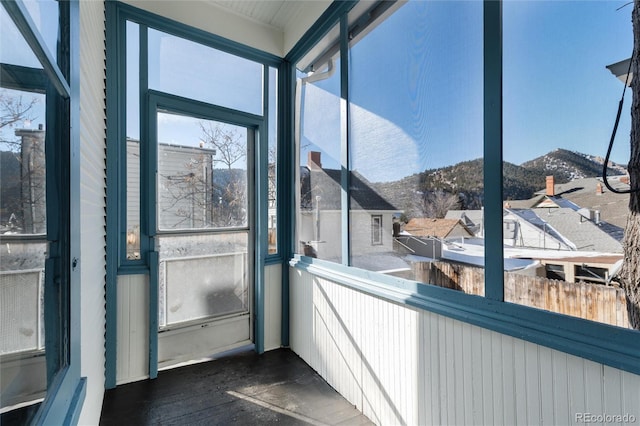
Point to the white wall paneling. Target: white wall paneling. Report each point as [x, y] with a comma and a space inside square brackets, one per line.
[133, 328]
[272, 307]
[92, 187]
[402, 365]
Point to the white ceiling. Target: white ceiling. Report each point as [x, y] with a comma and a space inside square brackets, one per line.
[270, 25]
[274, 13]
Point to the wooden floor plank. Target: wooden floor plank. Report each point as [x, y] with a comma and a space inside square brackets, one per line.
[245, 388]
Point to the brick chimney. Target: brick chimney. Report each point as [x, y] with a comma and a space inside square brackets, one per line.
[551, 186]
[314, 161]
[599, 189]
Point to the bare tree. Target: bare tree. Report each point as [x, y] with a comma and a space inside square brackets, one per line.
[271, 175]
[630, 275]
[196, 194]
[230, 187]
[14, 110]
[436, 204]
[22, 196]
[229, 145]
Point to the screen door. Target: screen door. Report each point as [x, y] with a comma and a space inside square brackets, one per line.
[203, 236]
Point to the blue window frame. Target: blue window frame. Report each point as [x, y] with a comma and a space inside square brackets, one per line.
[125, 22]
[60, 80]
[609, 345]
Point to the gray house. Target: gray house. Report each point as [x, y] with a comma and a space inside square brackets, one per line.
[320, 200]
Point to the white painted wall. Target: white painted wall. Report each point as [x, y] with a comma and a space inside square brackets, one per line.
[405, 366]
[272, 307]
[303, 20]
[92, 187]
[132, 357]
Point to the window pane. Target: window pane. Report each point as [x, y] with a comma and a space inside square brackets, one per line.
[273, 163]
[202, 173]
[133, 80]
[23, 247]
[416, 143]
[563, 228]
[13, 47]
[319, 139]
[133, 142]
[202, 276]
[195, 71]
[22, 137]
[44, 14]
[133, 199]
[23, 222]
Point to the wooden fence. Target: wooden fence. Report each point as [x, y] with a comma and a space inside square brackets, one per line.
[594, 302]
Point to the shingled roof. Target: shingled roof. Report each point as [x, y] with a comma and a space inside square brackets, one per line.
[430, 227]
[590, 193]
[317, 181]
[567, 224]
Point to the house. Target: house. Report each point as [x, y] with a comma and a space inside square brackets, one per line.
[400, 351]
[371, 215]
[589, 197]
[556, 228]
[472, 219]
[609, 209]
[438, 228]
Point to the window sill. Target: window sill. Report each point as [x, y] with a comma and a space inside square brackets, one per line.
[609, 345]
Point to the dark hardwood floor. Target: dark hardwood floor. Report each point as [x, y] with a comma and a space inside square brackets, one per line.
[245, 389]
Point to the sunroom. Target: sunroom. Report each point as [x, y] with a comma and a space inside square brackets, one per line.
[185, 178]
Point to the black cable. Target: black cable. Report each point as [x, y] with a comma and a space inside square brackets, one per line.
[613, 137]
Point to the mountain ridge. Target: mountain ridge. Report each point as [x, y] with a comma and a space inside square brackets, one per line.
[465, 179]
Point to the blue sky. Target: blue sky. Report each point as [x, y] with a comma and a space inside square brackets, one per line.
[421, 105]
[194, 71]
[15, 50]
[557, 91]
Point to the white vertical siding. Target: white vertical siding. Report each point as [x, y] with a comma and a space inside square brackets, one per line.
[405, 366]
[272, 307]
[133, 328]
[92, 187]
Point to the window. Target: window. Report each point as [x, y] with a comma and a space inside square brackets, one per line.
[39, 208]
[212, 76]
[456, 98]
[555, 272]
[376, 230]
[23, 217]
[318, 186]
[132, 157]
[272, 166]
[413, 145]
[232, 83]
[198, 128]
[553, 148]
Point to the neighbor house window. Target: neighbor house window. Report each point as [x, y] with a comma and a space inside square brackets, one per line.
[376, 230]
